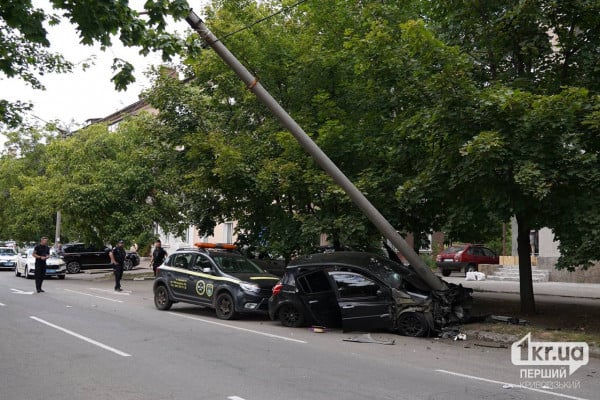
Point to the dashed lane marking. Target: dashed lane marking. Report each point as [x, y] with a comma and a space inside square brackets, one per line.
[84, 338]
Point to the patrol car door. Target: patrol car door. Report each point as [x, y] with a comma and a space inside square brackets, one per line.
[200, 280]
[180, 278]
[365, 303]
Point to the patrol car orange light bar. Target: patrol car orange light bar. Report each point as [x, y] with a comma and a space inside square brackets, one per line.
[216, 246]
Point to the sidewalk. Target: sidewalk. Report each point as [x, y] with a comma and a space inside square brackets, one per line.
[561, 289]
[141, 271]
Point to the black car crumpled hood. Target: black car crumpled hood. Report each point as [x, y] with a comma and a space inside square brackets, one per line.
[446, 307]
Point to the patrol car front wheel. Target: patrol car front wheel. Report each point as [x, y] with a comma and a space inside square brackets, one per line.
[225, 307]
[161, 298]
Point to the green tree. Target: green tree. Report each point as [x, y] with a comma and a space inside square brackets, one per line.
[532, 151]
[107, 185]
[24, 211]
[24, 45]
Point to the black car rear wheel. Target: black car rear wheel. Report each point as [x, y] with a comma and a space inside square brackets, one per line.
[290, 316]
[225, 307]
[161, 298]
[413, 324]
[128, 264]
[446, 272]
[73, 267]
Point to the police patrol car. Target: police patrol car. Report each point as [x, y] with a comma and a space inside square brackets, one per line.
[216, 276]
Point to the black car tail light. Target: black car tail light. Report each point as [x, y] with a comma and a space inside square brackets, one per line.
[277, 288]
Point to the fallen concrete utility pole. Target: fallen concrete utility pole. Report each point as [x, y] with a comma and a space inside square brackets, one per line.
[386, 229]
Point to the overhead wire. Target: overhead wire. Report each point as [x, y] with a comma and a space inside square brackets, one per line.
[264, 19]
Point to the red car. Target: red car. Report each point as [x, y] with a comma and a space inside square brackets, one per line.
[467, 256]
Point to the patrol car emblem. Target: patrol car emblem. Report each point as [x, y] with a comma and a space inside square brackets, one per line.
[209, 290]
[200, 287]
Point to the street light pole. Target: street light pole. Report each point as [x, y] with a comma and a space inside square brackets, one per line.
[318, 155]
[57, 233]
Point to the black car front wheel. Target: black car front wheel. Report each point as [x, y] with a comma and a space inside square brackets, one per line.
[225, 307]
[161, 298]
[73, 267]
[413, 324]
[290, 316]
[446, 272]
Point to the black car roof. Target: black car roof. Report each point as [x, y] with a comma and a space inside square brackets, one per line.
[356, 258]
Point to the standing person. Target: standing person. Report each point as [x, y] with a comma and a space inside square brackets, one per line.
[59, 249]
[41, 253]
[117, 258]
[158, 255]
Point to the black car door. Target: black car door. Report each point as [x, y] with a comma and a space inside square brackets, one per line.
[93, 256]
[319, 299]
[364, 302]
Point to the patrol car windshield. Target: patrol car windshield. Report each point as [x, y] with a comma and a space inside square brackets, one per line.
[232, 264]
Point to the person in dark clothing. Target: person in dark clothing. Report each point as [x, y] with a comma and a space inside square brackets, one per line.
[117, 258]
[158, 256]
[41, 253]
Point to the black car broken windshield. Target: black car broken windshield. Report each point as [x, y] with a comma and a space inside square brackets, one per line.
[386, 270]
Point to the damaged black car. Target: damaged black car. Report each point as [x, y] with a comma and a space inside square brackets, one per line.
[362, 291]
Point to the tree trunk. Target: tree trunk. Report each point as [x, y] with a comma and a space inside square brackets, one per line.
[524, 252]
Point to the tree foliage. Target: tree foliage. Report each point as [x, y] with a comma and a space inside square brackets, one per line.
[24, 44]
[107, 186]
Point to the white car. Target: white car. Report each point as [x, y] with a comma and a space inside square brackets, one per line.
[55, 265]
[8, 258]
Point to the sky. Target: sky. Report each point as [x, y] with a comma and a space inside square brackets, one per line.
[73, 98]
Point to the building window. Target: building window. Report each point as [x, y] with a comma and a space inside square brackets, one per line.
[228, 232]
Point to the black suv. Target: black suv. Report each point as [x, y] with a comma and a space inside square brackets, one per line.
[79, 256]
[216, 276]
[363, 291]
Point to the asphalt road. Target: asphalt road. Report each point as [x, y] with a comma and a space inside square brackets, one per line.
[81, 340]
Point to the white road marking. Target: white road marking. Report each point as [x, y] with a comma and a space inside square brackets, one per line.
[93, 295]
[235, 398]
[477, 378]
[2, 305]
[84, 338]
[124, 293]
[19, 291]
[239, 328]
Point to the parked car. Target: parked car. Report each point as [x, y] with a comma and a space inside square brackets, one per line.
[465, 257]
[8, 258]
[363, 291]
[215, 276]
[55, 265]
[79, 256]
